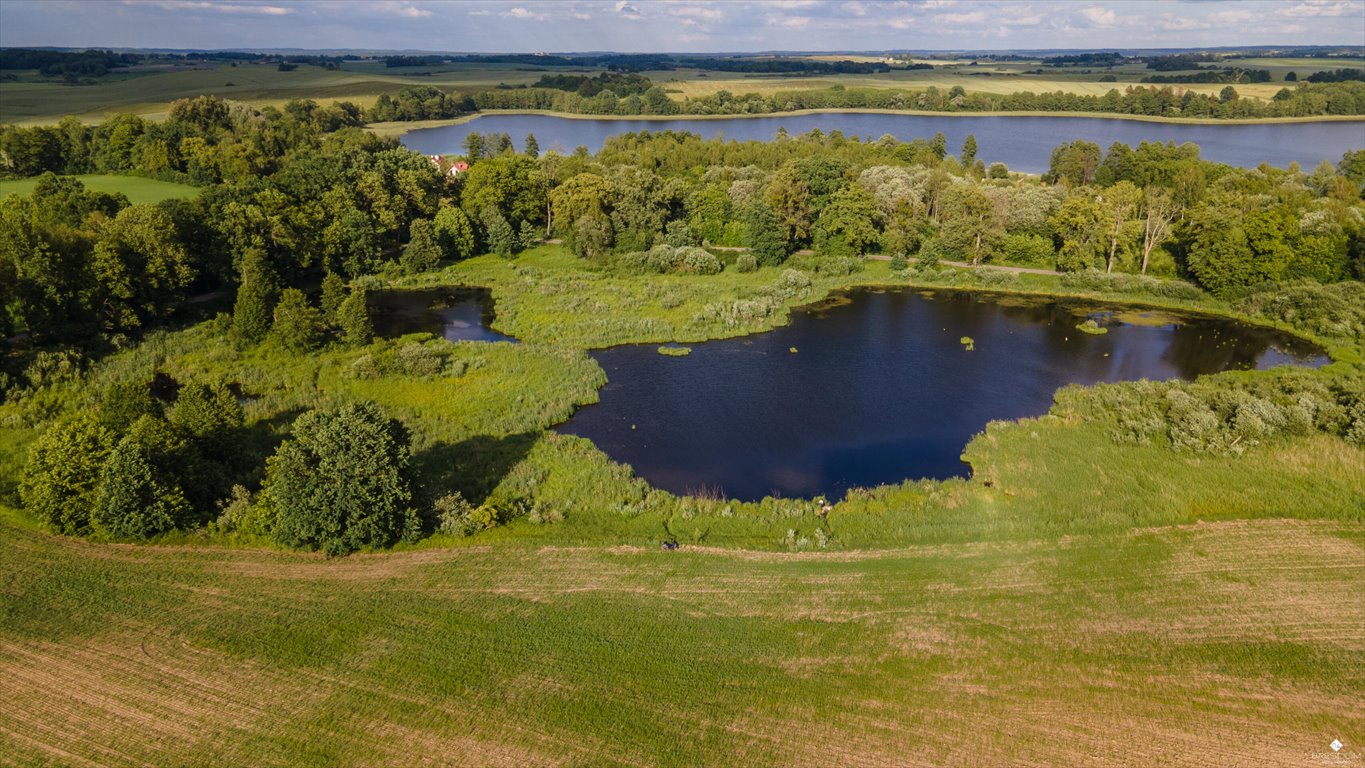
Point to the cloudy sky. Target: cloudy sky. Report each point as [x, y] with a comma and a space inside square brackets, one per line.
[665, 25]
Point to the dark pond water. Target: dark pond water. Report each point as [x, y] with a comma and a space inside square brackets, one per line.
[880, 388]
[1022, 143]
[458, 314]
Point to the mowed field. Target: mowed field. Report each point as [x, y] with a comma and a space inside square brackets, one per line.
[136, 188]
[149, 91]
[1235, 643]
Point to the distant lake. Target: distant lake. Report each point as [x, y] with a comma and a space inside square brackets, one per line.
[880, 389]
[1023, 143]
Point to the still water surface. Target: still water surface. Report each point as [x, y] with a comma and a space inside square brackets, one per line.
[1022, 143]
[878, 389]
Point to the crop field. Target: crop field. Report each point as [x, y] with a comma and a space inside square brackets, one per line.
[149, 91]
[135, 188]
[1223, 642]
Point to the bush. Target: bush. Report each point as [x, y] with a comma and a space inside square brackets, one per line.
[899, 263]
[342, 482]
[667, 259]
[745, 263]
[135, 500]
[1027, 249]
[61, 480]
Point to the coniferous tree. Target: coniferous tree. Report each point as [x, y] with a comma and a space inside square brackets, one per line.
[354, 320]
[297, 324]
[255, 299]
[333, 293]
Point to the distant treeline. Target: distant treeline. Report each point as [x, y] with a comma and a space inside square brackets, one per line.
[1304, 100]
[1229, 75]
[1086, 60]
[587, 85]
[1180, 61]
[1337, 76]
[91, 63]
[642, 62]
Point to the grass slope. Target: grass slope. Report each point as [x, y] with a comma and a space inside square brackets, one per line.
[1216, 644]
[136, 188]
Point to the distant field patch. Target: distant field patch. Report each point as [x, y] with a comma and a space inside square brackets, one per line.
[136, 188]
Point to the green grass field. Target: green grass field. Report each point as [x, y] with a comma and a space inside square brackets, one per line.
[135, 188]
[149, 92]
[1077, 602]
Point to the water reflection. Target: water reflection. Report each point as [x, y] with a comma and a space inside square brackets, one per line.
[881, 388]
[458, 314]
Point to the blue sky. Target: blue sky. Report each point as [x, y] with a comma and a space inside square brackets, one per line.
[663, 25]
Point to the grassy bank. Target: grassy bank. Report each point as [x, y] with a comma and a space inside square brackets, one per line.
[135, 188]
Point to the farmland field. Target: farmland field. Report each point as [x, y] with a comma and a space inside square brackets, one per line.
[148, 92]
[136, 188]
[1141, 647]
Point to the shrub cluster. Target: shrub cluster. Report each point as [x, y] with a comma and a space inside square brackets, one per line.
[1226, 414]
[668, 259]
[1100, 282]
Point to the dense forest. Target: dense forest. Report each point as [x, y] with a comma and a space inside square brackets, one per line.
[301, 207]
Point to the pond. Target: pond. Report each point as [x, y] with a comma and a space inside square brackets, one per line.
[879, 388]
[1024, 143]
[457, 314]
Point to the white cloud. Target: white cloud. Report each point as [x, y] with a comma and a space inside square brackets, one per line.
[203, 5]
[935, 4]
[1100, 17]
[792, 22]
[411, 12]
[628, 11]
[695, 12]
[1233, 17]
[522, 13]
[973, 17]
[1313, 8]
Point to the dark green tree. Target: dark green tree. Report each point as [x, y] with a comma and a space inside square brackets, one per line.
[501, 239]
[423, 251]
[939, 145]
[255, 299]
[134, 503]
[297, 324]
[455, 233]
[474, 147]
[532, 147]
[968, 150]
[765, 235]
[333, 293]
[354, 319]
[342, 482]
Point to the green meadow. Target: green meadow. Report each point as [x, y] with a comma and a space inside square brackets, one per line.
[135, 188]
